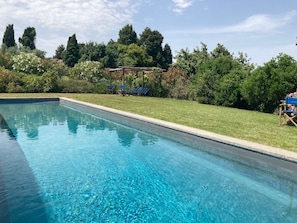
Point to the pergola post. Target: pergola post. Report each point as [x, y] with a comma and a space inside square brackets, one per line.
[142, 78]
[136, 69]
[123, 76]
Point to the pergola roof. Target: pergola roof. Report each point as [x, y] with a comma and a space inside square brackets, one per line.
[144, 69]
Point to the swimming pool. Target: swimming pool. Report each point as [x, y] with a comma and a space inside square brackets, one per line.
[63, 162]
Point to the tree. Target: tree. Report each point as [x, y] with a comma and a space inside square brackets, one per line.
[127, 35]
[8, 38]
[28, 38]
[112, 54]
[219, 51]
[270, 83]
[92, 51]
[152, 40]
[59, 52]
[134, 55]
[229, 90]
[167, 56]
[219, 77]
[72, 51]
[192, 62]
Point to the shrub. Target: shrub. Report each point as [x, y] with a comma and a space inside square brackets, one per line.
[5, 78]
[55, 66]
[50, 81]
[5, 61]
[27, 63]
[100, 88]
[75, 86]
[88, 70]
[176, 83]
[33, 83]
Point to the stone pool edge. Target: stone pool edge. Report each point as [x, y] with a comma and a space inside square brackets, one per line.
[244, 144]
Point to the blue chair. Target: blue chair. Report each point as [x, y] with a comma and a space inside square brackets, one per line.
[288, 111]
[146, 92]
[136, 91]
[110, 89]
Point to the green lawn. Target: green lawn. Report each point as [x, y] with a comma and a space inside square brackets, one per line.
[248, 125]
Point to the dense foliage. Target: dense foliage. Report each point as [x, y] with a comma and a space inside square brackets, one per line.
[217, 77]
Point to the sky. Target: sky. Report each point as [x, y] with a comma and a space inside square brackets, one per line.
[261, 29]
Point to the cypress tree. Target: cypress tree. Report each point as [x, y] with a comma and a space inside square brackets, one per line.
[127, 35]
[167, 56]
[28, 38]
[8, 38]
[72, 51]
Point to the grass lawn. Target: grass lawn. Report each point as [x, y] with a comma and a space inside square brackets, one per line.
[248, 125]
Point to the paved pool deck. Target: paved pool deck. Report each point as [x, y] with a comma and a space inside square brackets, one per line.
[251, 146]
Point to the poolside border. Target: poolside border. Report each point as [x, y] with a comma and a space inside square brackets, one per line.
[243, 144]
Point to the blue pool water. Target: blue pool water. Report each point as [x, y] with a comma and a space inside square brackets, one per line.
[60, 164]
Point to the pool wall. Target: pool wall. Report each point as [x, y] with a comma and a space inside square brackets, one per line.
[26, 100]
[25, 190]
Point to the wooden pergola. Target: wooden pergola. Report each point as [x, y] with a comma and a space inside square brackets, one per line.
[137, 69]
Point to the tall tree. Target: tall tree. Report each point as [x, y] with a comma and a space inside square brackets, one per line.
[8, 38]
[167, 55]
[210, 74]
[72, 51]
[127, 35]
[134, 55]
[59, 52]
[92, 51]
[28, 38]
[191, 62]
[112, 54]
[152, 40]
[270, 83]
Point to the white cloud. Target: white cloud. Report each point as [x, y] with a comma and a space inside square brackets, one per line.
[99, 15]
[180, 5]
[260, 23]
[255, 23]
[83, 17]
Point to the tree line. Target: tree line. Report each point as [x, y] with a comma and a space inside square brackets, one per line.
[217, 77]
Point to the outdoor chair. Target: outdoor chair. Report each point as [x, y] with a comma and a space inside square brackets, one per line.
[110, 89]
[288, 111]
[136, 91]
[145, 91]
[122, 90]
[139, 91]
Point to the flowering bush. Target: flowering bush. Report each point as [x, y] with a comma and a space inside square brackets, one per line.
[176, 83]
[89, 70]
[27, 63]
[5, 78]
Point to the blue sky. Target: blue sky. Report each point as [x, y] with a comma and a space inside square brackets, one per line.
[259, 28]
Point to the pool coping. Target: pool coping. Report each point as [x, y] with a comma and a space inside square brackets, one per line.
[244, 144]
